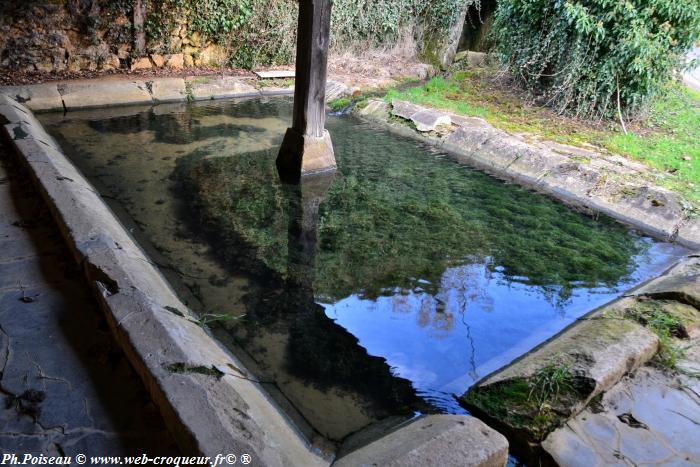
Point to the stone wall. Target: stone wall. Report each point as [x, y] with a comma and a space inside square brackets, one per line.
[62, 35]
[75, 35]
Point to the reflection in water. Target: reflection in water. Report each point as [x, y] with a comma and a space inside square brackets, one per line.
[381, 291]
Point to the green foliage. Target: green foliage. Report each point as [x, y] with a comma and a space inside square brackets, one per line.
[381, 22]
[263, 32]
[583, 55]
[217, 18]
[339, 104]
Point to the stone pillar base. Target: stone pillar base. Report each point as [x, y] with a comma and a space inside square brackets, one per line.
[302, 155]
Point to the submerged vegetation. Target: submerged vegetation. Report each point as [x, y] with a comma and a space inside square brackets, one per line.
[385, 226]
[666, 140]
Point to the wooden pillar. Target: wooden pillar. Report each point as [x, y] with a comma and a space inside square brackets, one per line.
[307, 147]
[139, 31]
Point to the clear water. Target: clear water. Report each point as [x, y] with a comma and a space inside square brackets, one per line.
[381, 291]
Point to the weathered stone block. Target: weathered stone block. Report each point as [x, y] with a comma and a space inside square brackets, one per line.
[37, 97]
[216, 87]
[305, 155]
[158, 60]
[175, 61]
[169, 89]
[80, 94]
[434, 440]
[428, 120]
[142, 63]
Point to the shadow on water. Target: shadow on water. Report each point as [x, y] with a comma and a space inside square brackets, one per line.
[384, 290]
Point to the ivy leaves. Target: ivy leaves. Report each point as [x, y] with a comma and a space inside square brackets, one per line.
[581, 54]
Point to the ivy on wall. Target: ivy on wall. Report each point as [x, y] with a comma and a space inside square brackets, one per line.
[263, 32]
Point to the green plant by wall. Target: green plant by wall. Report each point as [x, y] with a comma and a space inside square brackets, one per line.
[585, 56]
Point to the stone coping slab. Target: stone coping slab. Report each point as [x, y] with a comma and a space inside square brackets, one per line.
[579, 177]
[209, 402]
[455, 441]
[119, 90]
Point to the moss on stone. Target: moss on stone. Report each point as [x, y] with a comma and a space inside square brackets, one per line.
[535, 405]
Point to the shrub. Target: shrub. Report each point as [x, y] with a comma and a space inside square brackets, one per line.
[584, 55]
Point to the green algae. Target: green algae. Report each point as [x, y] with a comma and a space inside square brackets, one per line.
[394, 216]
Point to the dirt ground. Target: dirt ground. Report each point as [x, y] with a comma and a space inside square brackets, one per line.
[374, 69]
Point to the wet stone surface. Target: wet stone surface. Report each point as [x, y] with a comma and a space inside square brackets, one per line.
[651, 417]
[66, 388]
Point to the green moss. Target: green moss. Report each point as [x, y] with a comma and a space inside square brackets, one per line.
[339, 104]
[535, 405]
[183, 368]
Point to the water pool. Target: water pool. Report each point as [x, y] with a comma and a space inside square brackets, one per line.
[363, 297]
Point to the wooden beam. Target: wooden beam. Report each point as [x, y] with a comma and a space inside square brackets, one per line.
[312, 60]
[307, 146]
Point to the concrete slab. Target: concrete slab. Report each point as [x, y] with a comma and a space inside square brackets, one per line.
[169, 89]
[37, 97]
[66, 389]
[275, 74]
[101, 93]
[434, 440]
[217, 87]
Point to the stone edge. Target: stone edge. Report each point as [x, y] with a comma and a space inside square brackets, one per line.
[208, 401]
[200, 410]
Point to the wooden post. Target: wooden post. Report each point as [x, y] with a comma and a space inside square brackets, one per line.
[139, 31]
[307, 146]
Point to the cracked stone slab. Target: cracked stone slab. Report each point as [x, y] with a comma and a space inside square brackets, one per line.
[648, 418]
[168, 89]
[37, 97]
[101, 93]
[404, 109]
[65, 391]
[681, 283]
[425, 119]
[429, 119]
